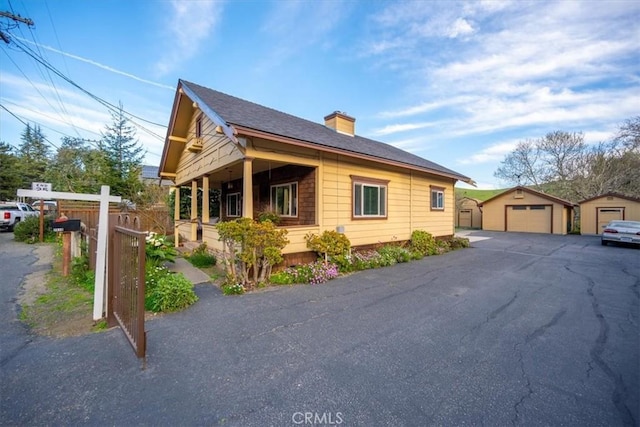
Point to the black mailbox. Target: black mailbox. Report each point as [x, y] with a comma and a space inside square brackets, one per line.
[66, 225]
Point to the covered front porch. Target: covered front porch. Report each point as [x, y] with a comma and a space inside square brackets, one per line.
[252, 187]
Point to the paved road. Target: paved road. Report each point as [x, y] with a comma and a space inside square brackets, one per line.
[519, 330]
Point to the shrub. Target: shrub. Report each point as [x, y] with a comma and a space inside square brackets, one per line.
[80, 273]
[343, 262]
[363, 260]
[158, 250]
[328, 244]
[153, 274]
[282, 278]
[314, 274]
[395, 254]
[28, 230]
[172, 292]
[459, 243]
[233, 289]
[424, 243]
[269, 216]
[250, 245]
[201, 257]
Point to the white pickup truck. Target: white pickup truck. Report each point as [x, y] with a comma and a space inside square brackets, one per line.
[12, 213]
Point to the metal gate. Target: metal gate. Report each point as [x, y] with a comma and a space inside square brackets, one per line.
[127, 280]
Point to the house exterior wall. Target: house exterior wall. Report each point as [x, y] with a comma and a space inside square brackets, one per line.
[589, 209]
[408, 202]
[217, 151]
[325, 191]
[494, 211]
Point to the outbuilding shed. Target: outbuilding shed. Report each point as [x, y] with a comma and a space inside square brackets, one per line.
[596, 212]
[525, 210]
[468, 213]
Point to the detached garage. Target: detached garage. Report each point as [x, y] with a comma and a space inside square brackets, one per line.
[597, 211]
[525, 210]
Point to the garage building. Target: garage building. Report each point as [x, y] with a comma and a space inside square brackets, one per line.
[597, 211]
[525, 210]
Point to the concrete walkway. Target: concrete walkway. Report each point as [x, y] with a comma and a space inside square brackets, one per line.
[195, 275]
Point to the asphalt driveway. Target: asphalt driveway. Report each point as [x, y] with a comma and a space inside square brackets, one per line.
[521, 329]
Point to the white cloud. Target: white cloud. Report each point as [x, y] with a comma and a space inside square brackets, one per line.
[491, 153]
[510, 70]
[96, 64]
[460, 27]
[391, 129]
[190, 25]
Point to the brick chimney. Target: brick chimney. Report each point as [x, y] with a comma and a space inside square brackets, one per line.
[341, 123]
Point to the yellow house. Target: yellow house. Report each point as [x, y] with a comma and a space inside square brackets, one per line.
[596, 212]
[316, 177]
[468, 213]
[526, 210]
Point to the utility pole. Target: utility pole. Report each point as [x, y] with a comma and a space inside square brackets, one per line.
[17, 19]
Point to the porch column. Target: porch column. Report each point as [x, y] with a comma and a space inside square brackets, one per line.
[205, 199]
[176, 216]
[247, 188]
[194, 210]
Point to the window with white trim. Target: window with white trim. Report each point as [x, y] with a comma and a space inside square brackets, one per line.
[369, 200]
[234, 204]
[437, 198]
[284, 199]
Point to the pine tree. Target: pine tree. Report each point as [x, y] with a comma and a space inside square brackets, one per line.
[122, 157]
[33, 154]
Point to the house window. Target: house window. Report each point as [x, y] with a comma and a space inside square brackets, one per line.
[537, 207]
[199, 127]
[437, 198]
[234, 204]
[370, 199]
[284, 199]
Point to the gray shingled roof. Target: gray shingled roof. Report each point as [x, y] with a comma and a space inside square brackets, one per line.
[236, 111]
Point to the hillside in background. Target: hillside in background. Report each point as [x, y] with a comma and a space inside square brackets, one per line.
[481, 195]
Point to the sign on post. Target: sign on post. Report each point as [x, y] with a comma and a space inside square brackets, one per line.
[41, 186]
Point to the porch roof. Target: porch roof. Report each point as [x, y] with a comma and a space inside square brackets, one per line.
[246, 114]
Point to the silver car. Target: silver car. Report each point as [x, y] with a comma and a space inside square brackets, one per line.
[621, 232]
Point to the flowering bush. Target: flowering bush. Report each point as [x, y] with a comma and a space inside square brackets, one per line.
[394, 254]
[363, 260]
[158, 251]
[235, 289]
[314, 274]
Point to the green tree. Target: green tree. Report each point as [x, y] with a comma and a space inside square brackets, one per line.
[34, 156]
[10, 180]
[75, 167]
[122, 156]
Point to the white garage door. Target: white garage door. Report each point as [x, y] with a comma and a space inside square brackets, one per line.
[529, 218]
[608, 214]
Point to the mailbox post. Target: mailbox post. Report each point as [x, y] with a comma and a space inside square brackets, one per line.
[66, 226]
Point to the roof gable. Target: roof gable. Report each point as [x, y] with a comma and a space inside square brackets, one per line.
[612, 194]
[241, 113]
[530, 191]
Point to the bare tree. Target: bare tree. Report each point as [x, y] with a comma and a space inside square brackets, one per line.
[522, 166]
[560, 163]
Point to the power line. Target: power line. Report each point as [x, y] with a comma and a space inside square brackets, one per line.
[27, 124]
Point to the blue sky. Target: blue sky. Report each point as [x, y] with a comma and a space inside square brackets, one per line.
[458, 83]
